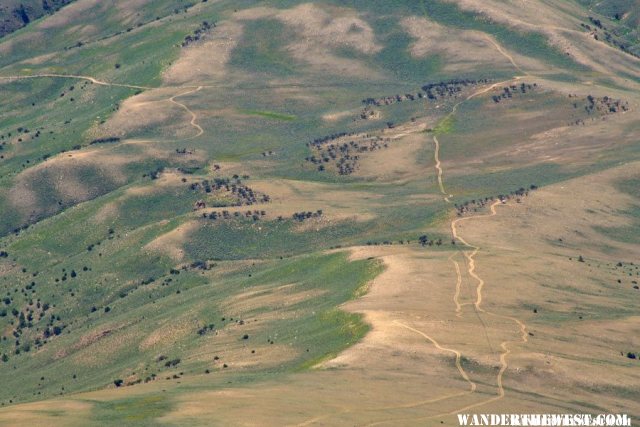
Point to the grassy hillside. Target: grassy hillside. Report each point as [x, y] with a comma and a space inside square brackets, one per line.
[203, 201]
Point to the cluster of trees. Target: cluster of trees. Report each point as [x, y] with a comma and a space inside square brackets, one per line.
[24, 319]
[430, 91]
[324, 139]
[184, 151]
[424, 240]
[244, 195]
[206, 328]
[21, 134]
[369, 113]
[475, 204]
[509, 91]
[197, 34]
[345, 153]
[106, 140]
[255, 215]
[201, 265]
[613, 37]
[385, 242]
[154, 174]
[598, 106]
[604, 105]
[301, 216]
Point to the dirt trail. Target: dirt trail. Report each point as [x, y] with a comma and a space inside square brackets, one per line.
[194, 117]
[504, 53]
[458, 355]
[469, 255]
[439, 170]
[77, 77]
[478, 304]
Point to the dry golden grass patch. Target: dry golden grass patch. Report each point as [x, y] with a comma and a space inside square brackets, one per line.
[464, 50]
[555, 21]
[169, 332]
[94, 354]
[47, 413]
[63, 173]
[398, 162]
[150, 109]
[320, 30]
[171, 243]
[207, 61]
[270, 299]
[289, 196]
[334, 116]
